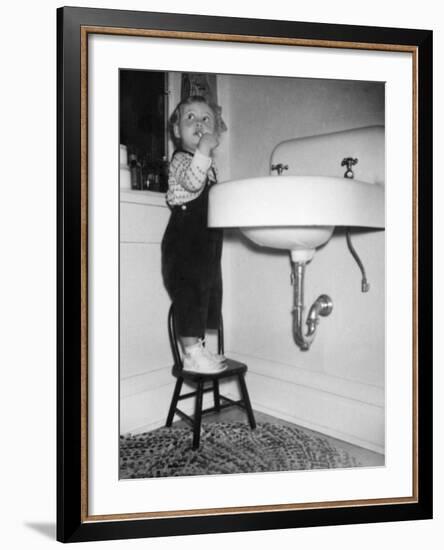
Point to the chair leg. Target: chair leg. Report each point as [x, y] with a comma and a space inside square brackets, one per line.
[174, 401]
[246, 400]
[216, 395]
[198, 416]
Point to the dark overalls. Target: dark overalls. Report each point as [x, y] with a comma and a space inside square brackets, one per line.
[191, 267]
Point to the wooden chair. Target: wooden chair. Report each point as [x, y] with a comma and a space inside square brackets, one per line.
[205, 383]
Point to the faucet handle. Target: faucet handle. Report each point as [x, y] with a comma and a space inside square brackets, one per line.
[349, 162]
[279, 167]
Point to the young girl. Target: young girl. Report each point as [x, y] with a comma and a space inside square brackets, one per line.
[191, 252]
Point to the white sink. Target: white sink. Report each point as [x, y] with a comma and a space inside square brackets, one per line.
[301, 241]
[295, 213]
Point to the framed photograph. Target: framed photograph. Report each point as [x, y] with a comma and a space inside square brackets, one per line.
[276, 175]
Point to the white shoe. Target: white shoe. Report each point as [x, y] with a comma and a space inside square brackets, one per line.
[215, 356]
[198, 359]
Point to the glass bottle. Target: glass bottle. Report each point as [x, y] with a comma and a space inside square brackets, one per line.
[136, 171]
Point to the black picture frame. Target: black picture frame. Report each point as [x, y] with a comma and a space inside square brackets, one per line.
[73, 522]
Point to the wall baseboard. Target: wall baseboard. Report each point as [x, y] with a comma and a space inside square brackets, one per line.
[350, 411]
[147, 409]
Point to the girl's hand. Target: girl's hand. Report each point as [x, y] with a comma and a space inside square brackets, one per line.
[207, 143]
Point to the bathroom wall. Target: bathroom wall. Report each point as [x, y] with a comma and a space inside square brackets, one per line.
[265, 111]
[338, 386]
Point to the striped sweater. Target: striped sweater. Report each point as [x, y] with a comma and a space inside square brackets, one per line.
[187, 175]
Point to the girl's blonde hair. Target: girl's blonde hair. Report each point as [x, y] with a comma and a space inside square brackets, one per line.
[220, 125]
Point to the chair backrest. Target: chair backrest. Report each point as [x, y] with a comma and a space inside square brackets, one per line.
[172, 334]
[174, 338]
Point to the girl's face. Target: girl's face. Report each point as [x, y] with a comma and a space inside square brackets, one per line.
[196, 119]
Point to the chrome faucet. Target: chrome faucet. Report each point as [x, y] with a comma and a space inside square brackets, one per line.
[279, 167]
[349, 162]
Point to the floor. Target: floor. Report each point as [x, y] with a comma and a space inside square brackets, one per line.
[364, 456]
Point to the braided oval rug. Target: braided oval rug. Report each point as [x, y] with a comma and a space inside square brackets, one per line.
[227, 448]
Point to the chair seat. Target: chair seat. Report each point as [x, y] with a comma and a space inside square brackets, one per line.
[233, 368]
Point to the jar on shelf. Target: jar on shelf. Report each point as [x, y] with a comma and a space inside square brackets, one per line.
[136, 171]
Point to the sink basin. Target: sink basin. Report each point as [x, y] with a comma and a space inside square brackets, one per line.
[301, 241]
[295, 213]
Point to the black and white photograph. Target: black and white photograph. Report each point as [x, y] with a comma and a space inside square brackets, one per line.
[251, 274]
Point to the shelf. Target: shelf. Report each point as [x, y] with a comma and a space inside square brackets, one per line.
[151, 198]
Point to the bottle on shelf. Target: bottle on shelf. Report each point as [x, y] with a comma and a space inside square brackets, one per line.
[135, 170]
